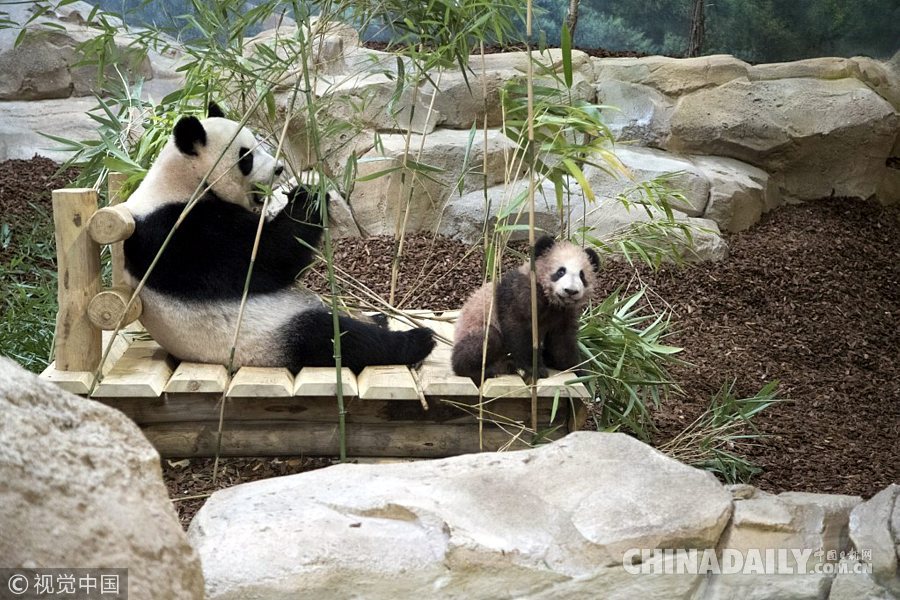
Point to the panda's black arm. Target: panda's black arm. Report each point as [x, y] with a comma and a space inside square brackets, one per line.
[290, 239]
[561, 345]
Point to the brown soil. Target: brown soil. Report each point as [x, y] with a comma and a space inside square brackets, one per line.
[596, 52]
[810, 296]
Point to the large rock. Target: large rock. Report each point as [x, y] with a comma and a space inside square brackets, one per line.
[464, 100]
[82, 487]
[788, 521]
[464, 217]
[45, 63]
[875, 527]
[639, 113]
[838, 147]
[21, 125]
[544, 523]
[672, 76]
[379, 204]
[646, 164]
[738, 193]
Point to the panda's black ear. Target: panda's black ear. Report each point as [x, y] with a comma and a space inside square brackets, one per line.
[594, 258]
[189, 133]
[543, 245]
[214, 110]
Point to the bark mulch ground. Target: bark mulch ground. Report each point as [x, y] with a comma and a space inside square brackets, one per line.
[810, 296]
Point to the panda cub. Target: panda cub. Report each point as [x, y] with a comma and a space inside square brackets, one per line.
[566, 275]
[192, 296]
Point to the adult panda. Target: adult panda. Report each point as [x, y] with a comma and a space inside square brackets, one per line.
[192, 297]
[566, 275]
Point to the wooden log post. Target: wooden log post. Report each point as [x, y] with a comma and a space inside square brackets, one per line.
[107, 309]
[78, 342]
[115, 182]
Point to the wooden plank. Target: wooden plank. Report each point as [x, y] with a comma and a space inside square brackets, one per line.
[79, 382]
[506, 386]
[439, 381]
[74, 382]
[319, 439]
[205, 407]
[256, 382]
[392, 382]
[546, 388]
[192, 377]
[322, 381]
[142, 372]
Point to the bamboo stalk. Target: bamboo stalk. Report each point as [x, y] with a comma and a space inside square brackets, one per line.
[532, 274]
[78, 341]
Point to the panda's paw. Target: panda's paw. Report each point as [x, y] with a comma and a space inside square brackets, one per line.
[419, 344]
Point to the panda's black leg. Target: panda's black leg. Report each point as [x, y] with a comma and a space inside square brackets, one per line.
[561, 347]
[469, 352]
[309, 343]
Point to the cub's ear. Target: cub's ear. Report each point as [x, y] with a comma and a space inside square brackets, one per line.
[189, 133]
[213, 110]
[594, 258]
[543, 245]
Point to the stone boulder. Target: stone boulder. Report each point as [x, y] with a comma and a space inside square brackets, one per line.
[738, 193]
[815, 137]
[21, 124]
[790, 520]
[875, 528]
[646, 164]
[465, 100]
[638, 112]
[82, 487]
[45, 63]
[464, 217]
[379, 204]
[545, 523]
[672, 76]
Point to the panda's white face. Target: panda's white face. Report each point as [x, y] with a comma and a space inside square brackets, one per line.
[567, 273]
[216, 152]
[244, 168]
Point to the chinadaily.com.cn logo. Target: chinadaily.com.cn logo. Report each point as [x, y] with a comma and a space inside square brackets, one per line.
[729, 561]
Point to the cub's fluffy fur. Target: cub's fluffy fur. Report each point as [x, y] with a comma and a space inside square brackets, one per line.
[566, 275]
[192, 296]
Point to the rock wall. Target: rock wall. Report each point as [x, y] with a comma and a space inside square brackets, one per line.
[561, 521]
[742, 138]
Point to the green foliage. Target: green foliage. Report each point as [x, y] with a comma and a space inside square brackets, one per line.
[715, 439]
[622, 341]
[28, 303]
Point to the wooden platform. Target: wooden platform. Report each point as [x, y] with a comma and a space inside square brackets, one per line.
[390, 411]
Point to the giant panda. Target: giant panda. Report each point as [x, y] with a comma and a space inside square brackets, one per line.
[192, 297]
[566, 275]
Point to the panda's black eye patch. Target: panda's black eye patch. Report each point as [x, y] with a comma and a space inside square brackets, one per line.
[583, 278]
[559, 273]
[245, 162]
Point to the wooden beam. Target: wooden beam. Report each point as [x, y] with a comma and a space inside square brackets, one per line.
[322, 382]
[393, 382]
[261, 382]
[142, 372]
[192, 377]
[320, 439]
[112, 224]
[114, 184]
[108, 308]
[77, 340]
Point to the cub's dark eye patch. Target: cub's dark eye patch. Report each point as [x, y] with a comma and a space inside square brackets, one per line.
[245, 162]
[583, 278]
[559, 273]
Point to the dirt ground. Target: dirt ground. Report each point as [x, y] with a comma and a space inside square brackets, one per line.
[810, 296]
